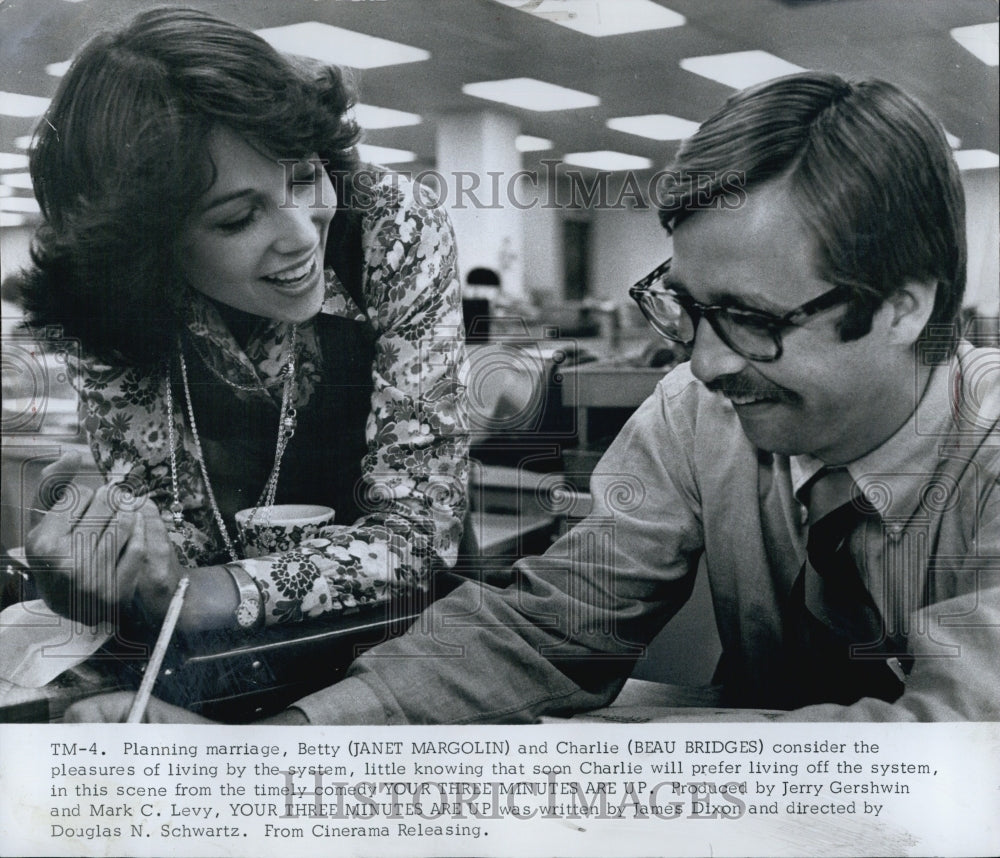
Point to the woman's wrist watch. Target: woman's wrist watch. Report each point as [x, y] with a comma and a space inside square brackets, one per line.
[250, 610]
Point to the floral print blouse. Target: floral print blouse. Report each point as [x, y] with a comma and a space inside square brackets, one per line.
[416, 431]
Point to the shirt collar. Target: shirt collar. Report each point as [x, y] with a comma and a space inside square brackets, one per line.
[338, 301]
[894, 476]
[256, 371]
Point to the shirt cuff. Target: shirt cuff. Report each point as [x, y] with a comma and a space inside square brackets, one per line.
[350, 701]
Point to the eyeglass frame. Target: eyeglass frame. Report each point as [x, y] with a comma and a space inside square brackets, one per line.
[696, 310]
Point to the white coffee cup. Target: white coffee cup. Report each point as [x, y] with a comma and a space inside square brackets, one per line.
[270, 529]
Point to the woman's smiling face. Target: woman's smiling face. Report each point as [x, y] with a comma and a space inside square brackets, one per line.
[256, 239]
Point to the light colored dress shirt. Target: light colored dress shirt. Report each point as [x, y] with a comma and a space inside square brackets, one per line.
[680, 483]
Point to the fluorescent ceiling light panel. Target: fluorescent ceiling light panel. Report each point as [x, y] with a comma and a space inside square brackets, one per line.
[17, 180]
[58, 69]
[976, 159]
[531, 94]
[23, 142]
[8, 219]
[740, 69]
[655, 126]
[601, 17]
[953, 141]
[981, 40]
[19, 204]
[5, 191]
[371, 117]
[527, 143]
[606, 160]
[16, 104]
[12, 161]
[338, 46]
[385, 155]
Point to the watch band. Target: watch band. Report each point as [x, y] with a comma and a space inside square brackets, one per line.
[250, 610]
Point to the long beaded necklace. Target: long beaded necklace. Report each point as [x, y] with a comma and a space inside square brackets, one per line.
[286, 430]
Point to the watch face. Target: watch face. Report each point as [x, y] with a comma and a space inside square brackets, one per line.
[248, 613]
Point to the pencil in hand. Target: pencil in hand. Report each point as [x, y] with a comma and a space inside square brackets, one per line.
[145, 691]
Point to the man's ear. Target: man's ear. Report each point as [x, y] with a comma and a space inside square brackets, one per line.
[911, 306]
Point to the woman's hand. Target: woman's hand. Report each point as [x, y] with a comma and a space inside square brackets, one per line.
[94, 552]
[114, 708]
[161, 571]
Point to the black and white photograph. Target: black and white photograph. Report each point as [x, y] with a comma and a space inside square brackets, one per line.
[500, 427]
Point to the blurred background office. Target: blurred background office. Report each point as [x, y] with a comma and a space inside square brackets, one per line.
[541, 125]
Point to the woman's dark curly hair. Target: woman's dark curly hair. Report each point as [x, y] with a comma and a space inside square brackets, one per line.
[121, 157]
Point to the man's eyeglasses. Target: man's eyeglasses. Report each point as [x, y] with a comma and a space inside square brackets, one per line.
[754, 334]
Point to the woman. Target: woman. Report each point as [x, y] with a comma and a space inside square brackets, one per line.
[261, 320]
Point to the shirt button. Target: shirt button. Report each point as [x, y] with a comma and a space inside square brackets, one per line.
[803, 515]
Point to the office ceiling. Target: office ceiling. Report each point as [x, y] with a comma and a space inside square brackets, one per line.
[904, 41]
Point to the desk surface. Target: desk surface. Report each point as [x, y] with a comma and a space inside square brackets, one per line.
[641, 702]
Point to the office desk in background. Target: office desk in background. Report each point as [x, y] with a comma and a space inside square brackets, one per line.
[603, 385]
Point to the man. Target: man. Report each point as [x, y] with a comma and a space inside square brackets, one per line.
[831, 452]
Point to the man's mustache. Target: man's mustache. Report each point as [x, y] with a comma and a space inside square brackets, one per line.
[742, 385]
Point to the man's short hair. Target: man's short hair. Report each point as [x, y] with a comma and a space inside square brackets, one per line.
[871, 172]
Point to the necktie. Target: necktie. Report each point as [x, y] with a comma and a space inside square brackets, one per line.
[836, 628]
